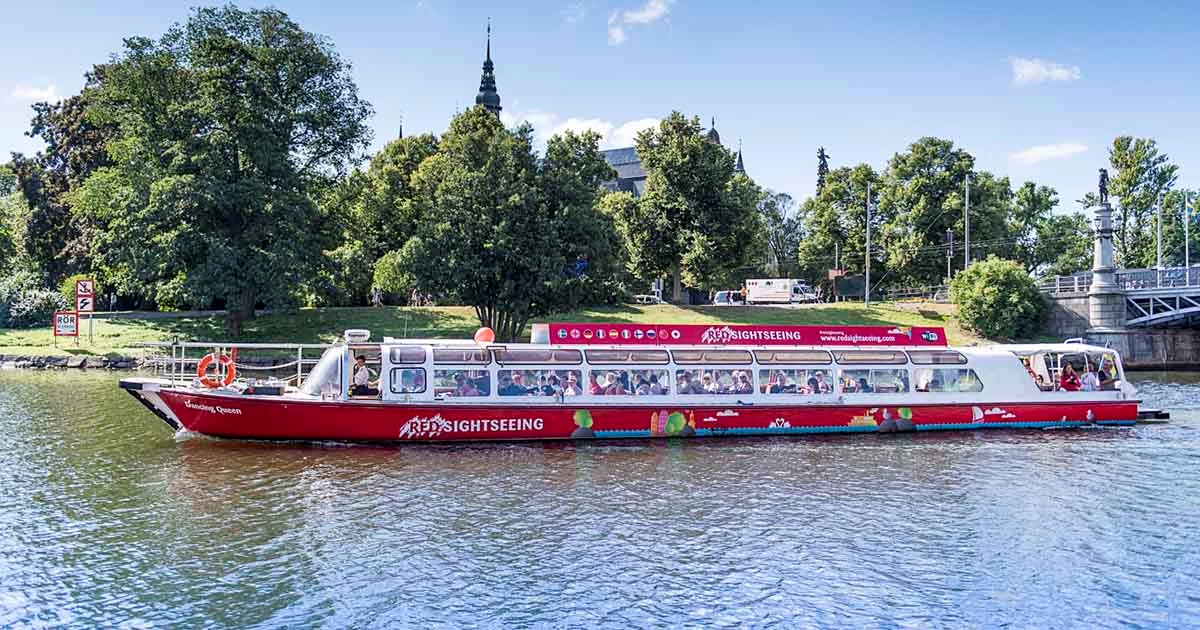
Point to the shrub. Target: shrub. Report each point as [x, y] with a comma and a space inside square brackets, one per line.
[998, 299]
[25, 303]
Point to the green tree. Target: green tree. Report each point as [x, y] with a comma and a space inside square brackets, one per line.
[56, 241]
[228, 125]
[501, 230]
[384, 217]
[835, 221]
[923, 196]
[1032, 207]
[1062, 245]
[782, 232]
[1141, 173]
[696, 220]
[822, 168]
[998, 299]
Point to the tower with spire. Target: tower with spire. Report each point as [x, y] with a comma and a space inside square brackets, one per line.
[739, 167]
[487, 83]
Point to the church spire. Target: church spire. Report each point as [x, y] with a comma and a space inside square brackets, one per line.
[487, 83]
[712, 131]
[739, 167]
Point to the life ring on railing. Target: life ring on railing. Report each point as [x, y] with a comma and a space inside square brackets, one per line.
[223, 360]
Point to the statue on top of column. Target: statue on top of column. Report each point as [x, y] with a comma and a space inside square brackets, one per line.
[1103, 185]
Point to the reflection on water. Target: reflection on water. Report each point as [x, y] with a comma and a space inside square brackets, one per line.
[106, 519]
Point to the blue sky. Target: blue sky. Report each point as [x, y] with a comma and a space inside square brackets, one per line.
[1035, 91]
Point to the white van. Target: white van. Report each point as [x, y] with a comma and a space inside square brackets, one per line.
[778, 291]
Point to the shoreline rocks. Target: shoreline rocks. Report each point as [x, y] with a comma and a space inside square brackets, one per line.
[73, 362]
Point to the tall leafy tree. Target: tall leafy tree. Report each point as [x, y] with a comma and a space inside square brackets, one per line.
[227, 124]
[57, 242]
[385, 217]
[1141, 172]
[697, 219]
[923, 197]
[782, 231]
[1062, 245]
[822, 168]
[501, 230]
[834, 224]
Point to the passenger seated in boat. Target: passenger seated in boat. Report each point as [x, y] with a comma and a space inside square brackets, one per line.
[864, 386]
[1106, 381]
[743, 384]
[613, 386]
[594, 387]
[508, 387]
[1090, 382]
[1069, 380]
[363, 385]
[465, 386]
[656, 388]
[572, 388]
[823, 386]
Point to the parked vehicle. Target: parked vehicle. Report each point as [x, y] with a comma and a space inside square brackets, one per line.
[779, 291]
[645, 298]
[728, 298]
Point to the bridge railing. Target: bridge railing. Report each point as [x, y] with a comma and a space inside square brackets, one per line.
[1078, 283]
[1165, 278]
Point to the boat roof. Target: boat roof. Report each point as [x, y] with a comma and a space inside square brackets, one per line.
[1064, 348]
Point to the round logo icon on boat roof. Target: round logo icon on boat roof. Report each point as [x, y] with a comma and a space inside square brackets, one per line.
[675, 334]
[650, 334]
[562, 333]
[638, 334]
[587, 333]
[575, 333]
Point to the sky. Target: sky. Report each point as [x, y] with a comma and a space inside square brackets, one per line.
[1034, 90]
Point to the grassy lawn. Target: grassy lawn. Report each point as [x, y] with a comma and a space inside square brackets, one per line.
[121, 336]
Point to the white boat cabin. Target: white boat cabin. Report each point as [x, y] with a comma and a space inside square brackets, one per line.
[451, 372]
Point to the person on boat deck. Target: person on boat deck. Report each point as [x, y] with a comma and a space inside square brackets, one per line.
[1069, 380]
[863, 386]
[1028, 368]
[1106, 381]
[1090, 382]
[743, 385]
[656, 388]
[363, 385]
[509, 388]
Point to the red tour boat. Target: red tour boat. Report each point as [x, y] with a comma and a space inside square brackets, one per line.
[592, 380]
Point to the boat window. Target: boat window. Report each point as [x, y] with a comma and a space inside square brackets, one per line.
[540, 382]
[476, 356]
[407, 354]
[617, 382]
[1102, 363]
[936, 357]
[849, 357]
[812, 357]
[461, 382]
[517, 355]
[627, 356]
[711, 356]
[787, 381]
[702, 381]
[325, 379]
[408, 380]
[947, 380]
[880, 381]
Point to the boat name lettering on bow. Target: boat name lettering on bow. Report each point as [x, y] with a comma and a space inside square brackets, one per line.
[212, 408]
[422, 427]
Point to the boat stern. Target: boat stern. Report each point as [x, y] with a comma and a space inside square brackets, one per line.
[147, 391]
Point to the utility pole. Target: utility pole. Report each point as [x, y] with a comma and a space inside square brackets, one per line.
[949, 252]
[967, 224]
[867, 288]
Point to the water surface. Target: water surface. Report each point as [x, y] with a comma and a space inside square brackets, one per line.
[106, 519]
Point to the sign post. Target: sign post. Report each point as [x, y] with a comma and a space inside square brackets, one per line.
[66, 324]
[85, 301]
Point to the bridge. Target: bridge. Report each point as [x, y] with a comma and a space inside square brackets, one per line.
[1153, 298]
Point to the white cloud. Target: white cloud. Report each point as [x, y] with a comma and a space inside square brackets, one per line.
[649, 13]
[545, 125]
[26, 93]
[1042, 152]
[1026, 71]
[624, 135]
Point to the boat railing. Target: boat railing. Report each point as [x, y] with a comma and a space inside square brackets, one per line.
[178, 361]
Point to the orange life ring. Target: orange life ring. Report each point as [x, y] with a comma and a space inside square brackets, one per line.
[211, 381]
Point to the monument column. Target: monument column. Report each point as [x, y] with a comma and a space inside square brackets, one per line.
[1106, 299]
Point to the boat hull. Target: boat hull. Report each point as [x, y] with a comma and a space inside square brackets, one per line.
[220, 414]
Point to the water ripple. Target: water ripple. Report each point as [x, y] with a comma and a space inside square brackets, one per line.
[108, 520]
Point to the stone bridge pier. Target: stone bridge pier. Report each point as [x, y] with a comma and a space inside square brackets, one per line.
[1109, 308]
